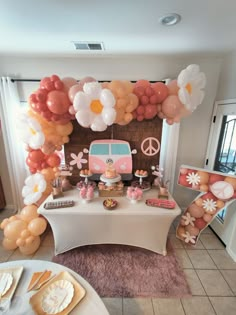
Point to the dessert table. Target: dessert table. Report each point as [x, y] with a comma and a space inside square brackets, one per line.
[89, 223]
[90, 304]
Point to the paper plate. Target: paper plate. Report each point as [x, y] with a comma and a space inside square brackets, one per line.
[6, 280]
[57, 296]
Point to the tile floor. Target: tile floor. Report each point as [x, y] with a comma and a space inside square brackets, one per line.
[210, 271]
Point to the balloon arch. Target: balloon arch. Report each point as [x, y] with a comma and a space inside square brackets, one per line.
[46, 127]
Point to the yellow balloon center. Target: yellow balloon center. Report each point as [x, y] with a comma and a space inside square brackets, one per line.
[189, 88]
[32, 131]
[96, 106]
[36, 188]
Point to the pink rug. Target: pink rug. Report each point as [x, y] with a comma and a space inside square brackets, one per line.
[126, 271]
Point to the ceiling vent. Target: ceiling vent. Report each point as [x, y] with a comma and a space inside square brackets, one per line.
[88, 46]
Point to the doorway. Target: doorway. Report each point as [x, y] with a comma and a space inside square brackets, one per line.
[221, 157]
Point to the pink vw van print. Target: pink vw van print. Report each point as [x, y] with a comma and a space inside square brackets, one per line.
[116, 151]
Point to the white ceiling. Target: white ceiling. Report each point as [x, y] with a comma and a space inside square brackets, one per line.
[49, 27]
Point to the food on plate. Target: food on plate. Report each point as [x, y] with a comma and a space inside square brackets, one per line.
[141, 173]
[86, 172]
[110, 203]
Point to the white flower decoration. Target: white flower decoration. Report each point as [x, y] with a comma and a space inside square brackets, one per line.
[188, 219]
[34, 187]
[95, 107]
[30, 131]
[77, 159]
[191, 82]
[193, 179]
[189, 238]
[209, 205]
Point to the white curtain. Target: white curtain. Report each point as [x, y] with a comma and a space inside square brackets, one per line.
[15, 155]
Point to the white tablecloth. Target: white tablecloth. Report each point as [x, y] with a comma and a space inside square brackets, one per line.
[130, 224]
[91, 304]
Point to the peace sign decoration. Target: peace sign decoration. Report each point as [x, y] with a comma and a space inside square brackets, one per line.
[150, 146]
[217, 189]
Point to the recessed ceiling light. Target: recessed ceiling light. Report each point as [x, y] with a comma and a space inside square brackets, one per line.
[170, 19]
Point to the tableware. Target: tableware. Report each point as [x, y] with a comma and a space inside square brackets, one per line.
[57, 296]
[110, 204]
[38, 299]
[6, 280]
[16, 273]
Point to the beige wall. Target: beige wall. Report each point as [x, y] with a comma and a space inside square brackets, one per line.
[194, 130]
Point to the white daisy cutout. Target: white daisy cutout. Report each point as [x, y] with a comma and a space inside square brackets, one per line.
[193, 179]
[30, 131]
[94, 107]
[191, 83]
[188, 219]
[78, 160]
[34, 187]
[209, 205]
[189, 238]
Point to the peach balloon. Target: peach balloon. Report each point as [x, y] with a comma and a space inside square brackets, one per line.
[29, 212]
[220, 204]
[29, 249]
[68, 82]
[4, 223]
[204, 177]
[193, 230]
[73, 90]
[20, 242]
[231, 181]
[14, 228]
[173, 87]
[195, 211]
[171, 106]
[204, 188]
[25, 233]
[9, 244]
[180, 231]
[207, 217]
[198, 202]
[30, 239]
[37, 226]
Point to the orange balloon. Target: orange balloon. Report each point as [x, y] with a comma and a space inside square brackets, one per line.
[29, 212]
[204, 177]
[37, 226]
[9, 244]
[29, 249]
[231, 181]
[25, 233]
[13, 229]
[20, 242]
[4, 223]
[198, 202]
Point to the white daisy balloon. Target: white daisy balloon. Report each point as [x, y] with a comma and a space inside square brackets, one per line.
[30, 131]
[34, 187]
[94, 107]
[191, 83]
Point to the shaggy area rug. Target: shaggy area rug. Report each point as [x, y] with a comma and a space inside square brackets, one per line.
[126, 271]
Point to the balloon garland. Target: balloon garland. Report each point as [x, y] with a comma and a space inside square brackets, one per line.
[46, 127]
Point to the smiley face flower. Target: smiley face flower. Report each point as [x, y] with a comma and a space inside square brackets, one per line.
[94, 107]
[30, 131]
[191, 83]
[34, 187]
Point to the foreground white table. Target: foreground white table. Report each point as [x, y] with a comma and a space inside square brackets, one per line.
[91, 303]
[131, 224]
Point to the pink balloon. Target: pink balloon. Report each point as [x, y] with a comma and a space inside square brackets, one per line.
[73, 90]
[150, 111]
[173, 87]
[171, 106]
[161, 91]
[86, 80]
[58, 102]
[68, 82]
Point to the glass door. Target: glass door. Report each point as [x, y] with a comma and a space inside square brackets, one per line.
[221, 157]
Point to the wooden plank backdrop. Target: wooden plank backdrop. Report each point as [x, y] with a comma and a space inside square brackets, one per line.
[135, 132]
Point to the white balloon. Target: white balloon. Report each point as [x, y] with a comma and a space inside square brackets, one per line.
[81, 101]
[93, 89]
[108, 115]
[98, 124]
[107, 98]
[84, 118]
